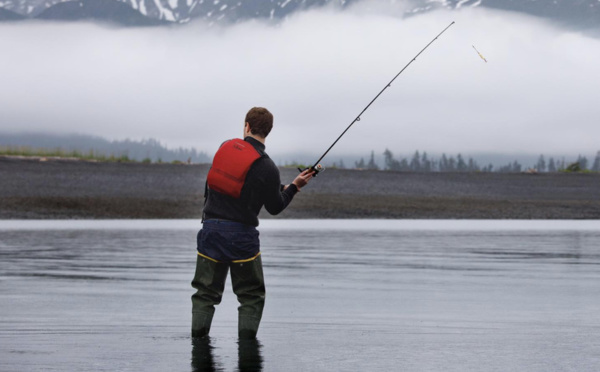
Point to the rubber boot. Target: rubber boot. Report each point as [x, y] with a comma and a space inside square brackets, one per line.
[209, 281]
[201, 324]
[247, 327]
[249, 286]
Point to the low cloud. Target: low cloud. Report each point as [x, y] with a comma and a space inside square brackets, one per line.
[192, 85]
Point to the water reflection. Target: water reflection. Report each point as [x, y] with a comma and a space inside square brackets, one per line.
[249, 356]
[203, 356]
[448, 300]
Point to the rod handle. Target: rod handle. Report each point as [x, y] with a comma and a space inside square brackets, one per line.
[315, 168]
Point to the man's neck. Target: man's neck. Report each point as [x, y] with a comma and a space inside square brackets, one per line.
[258, 138]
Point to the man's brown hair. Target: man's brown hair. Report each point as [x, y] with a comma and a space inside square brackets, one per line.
[260, 121]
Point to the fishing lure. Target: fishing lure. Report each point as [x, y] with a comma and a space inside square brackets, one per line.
[482, 57]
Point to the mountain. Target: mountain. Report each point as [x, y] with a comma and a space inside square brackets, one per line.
[112, 11]
[7, 15]
[578, 13]
[581, 14]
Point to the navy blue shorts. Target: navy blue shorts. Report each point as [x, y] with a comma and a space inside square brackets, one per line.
[228, 241]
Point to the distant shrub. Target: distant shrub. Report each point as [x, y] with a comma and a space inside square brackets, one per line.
[296, 165]
[573, 167]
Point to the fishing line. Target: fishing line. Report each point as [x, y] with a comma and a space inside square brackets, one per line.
[317, 167]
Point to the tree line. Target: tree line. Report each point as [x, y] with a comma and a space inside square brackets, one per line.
[422, 162]
[94, 147]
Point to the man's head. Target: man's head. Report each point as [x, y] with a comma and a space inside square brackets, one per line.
[260, 121]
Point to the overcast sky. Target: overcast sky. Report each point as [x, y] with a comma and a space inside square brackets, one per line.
[191, 85]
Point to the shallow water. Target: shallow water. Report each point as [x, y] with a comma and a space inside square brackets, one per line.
[341, 295]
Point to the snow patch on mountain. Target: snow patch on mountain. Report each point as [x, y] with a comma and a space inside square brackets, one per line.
[580, 13]
[169, 10]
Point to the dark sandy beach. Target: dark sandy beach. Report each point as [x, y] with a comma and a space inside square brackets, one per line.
[58, 189]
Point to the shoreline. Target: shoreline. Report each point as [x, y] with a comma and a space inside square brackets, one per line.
[314, 225]
[76, 189]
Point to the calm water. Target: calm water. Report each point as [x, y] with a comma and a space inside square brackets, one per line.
[341, 296]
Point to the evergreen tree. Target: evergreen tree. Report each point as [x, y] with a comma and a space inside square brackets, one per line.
[461, 166]
[551, 165]
[596, 165]
[404, 166]
[451, 165]
[415, 162]
[426, 164]
[342, 165]
[583, 162]
[504, 169]
[434, 165]
[561, 164]
[513, 167]
[541, 164]
[390, 162]
[372, 165]
[443, 163]
[359, 164]
[516, 167]
[473, 166]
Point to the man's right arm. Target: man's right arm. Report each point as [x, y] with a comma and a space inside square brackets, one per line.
[276, 199]
[302, 179]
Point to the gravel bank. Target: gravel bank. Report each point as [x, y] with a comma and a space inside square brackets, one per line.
[30, 188]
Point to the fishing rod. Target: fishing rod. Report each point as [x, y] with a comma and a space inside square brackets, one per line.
[317, 167]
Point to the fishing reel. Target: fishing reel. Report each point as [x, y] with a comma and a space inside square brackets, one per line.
[316, 168]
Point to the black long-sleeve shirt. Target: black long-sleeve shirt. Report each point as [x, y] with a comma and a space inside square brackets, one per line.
[262, 187]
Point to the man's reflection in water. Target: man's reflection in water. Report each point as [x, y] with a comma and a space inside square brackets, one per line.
[202, 355]
[203, 360]
[249, 356]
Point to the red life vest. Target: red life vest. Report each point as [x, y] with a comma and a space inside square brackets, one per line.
[230, 167]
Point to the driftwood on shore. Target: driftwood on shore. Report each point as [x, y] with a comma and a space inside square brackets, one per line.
[79, 189]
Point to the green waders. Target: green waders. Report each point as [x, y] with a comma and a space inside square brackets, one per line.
[248, 284]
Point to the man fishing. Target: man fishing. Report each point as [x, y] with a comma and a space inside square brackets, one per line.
[241, 181]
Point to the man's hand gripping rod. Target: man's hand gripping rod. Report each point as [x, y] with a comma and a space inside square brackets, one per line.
[318, 167]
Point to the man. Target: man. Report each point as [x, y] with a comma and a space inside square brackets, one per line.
[241, 181]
